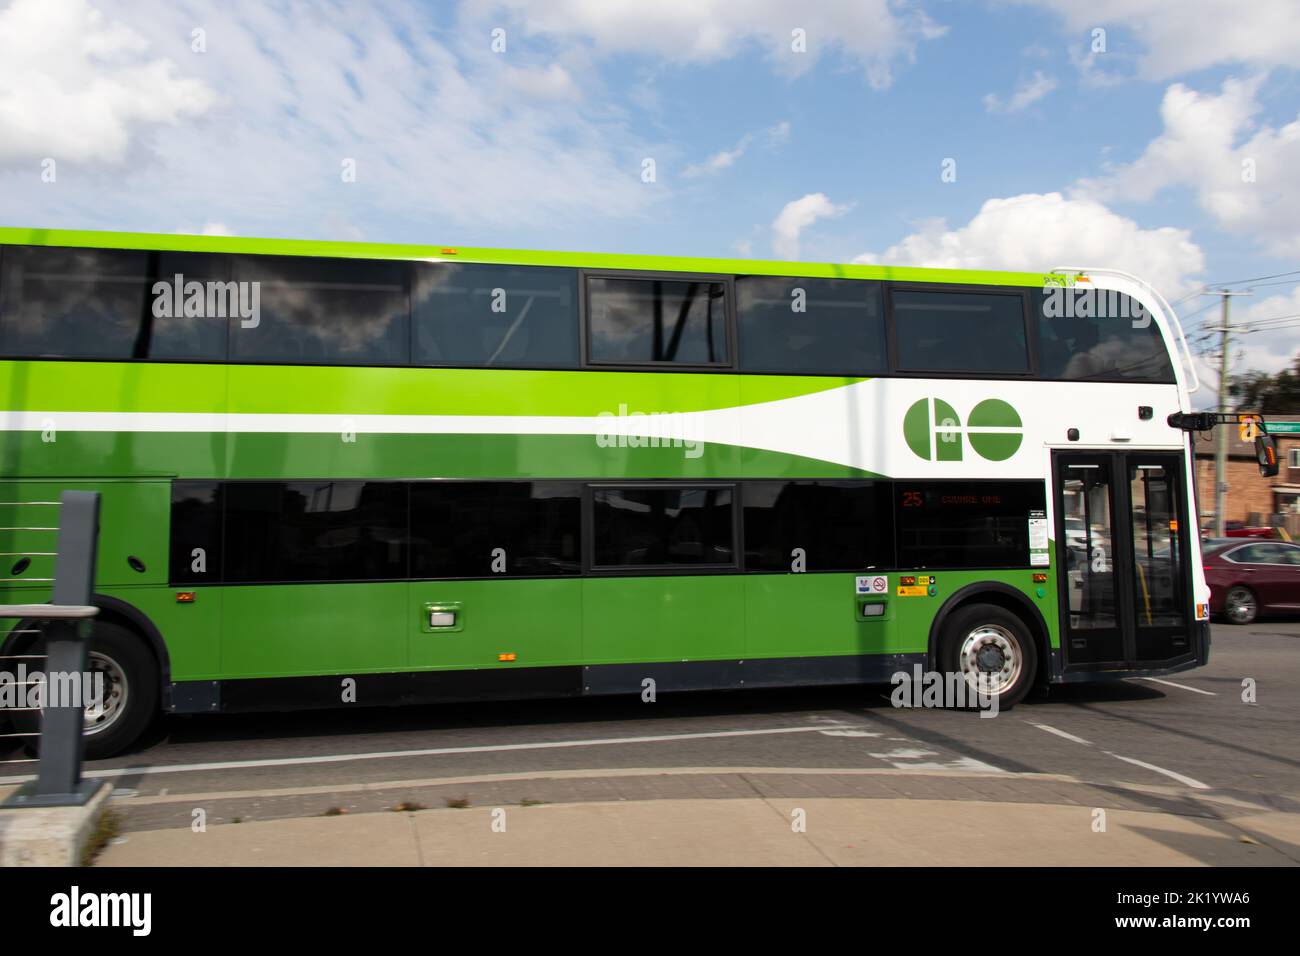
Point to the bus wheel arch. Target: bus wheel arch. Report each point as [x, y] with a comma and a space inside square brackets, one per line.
[1005, 599]
[127, 649]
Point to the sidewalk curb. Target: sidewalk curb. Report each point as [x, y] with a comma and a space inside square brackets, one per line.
[50, 836]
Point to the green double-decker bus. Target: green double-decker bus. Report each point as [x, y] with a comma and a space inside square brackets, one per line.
[350, 474]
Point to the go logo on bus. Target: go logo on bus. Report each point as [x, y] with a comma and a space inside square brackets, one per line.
[934, 431]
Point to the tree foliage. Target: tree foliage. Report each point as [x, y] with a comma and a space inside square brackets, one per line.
[1269, 394]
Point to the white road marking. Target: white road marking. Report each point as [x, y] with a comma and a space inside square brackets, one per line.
[905, 753]
[139, 771]
[910, 758]
[1169, 683]
[851, 733]
[1060, 733]
[961, 763]
[1186, 781]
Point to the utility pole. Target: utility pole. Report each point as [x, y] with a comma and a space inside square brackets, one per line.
[1221, 451]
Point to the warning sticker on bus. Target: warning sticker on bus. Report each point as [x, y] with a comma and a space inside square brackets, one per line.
[917, 585]
[1038, 541]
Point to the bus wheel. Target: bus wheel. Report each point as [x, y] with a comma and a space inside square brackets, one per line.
[124, 670]
[1239, 605]
[992, 649]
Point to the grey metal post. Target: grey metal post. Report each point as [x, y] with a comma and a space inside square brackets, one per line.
[58, 777]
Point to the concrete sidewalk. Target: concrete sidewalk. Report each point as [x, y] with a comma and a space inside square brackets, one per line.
[839, 831]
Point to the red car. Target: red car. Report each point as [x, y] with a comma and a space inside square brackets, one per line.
[1250, 578]
[1244, 532]
[1239, 529]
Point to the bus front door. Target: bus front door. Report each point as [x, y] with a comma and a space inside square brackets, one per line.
[1122, 549]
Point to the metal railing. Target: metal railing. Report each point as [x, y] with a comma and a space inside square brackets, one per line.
[66, 634]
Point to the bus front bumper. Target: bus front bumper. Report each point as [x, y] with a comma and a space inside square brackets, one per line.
[1199, 657]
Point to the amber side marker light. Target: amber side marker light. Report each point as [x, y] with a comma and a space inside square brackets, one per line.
[1040, 577]
[184, 597]
[505, 657]
[447, 252]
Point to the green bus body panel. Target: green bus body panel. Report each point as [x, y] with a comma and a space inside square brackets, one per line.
[332, 390]
[582, 260]
[133, 518]
[306, 629]
[539, 621]
[309, 629]
[696, 618]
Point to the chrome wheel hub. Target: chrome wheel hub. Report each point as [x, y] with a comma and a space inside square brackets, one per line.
[107, 695]
[990, 659]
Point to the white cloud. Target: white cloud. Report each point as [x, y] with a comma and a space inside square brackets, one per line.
[551, 82]
[78, 86]
[1037, 232]
[1182, 36]
[1030, 91]
[1209, 143]
[796, 216]
[724, 159]
[444, 142]
[874, 33]
[719, 161]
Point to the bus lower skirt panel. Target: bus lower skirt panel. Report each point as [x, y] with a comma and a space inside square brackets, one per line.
[432, 687]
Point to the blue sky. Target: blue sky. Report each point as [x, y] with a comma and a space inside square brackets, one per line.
[241, 117]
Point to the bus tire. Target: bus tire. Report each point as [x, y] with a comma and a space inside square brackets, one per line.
[986, 638]
[130, 691]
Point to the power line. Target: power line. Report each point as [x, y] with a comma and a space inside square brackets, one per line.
[1205, 288]
[1276, 275]
[1262, 285]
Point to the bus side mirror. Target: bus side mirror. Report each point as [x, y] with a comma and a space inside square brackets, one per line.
[1266, 455]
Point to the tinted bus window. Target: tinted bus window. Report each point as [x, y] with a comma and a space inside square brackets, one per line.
[663, 527]
[495, 316]
[820, 326]
[656, 320]
[196, 532]
[1098, 335]
[965, 524]
[110, 304]
[325, 311]
[495, 529]
[938, 331]
[835, 525]
[315, 531]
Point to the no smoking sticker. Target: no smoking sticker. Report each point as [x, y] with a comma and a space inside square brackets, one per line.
[873, 584]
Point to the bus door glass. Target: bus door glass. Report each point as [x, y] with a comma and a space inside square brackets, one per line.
[1160, 598]
[1086, 542]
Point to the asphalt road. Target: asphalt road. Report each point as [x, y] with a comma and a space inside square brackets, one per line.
[1189, 733]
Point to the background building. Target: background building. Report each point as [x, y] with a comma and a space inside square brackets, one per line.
[1248, 494]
